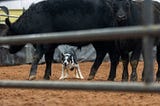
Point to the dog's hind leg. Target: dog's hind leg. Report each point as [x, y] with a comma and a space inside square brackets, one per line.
[78, 72]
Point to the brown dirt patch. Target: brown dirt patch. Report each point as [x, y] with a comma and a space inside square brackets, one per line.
[39, 97]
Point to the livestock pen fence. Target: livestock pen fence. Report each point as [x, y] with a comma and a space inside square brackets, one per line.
[147, 32]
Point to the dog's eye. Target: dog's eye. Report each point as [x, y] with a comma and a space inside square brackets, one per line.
[68, 59]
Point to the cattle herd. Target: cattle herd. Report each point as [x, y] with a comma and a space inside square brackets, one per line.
[68, 15]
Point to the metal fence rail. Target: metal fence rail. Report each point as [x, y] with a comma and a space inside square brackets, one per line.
[148, 42]
[85, 35]
[90, 85]
[146, 32]
[11, 16]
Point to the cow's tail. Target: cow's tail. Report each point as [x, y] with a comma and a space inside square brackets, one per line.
[8, 23]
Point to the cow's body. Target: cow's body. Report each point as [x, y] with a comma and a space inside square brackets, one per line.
[65, 15]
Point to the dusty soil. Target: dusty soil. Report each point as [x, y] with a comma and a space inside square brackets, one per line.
[39, 97]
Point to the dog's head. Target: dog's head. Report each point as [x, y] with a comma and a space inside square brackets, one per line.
[68, 60]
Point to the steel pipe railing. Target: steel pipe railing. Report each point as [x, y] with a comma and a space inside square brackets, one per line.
[11, 16]
[84, 35]
[89, 85]
[148, 42]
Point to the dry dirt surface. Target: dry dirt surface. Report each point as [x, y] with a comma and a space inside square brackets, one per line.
[41, 97]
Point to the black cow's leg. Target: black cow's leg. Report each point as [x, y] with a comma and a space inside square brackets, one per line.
[143, 67]
[142, 74]
[134, 63]
[114, 58]
[158, 61]
[99, 59]
[125, 61]
[48, 59]
[36, 58]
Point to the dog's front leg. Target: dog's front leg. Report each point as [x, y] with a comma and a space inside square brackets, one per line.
[76, 73]
[66, 74]
[62, 74]
[79, 72]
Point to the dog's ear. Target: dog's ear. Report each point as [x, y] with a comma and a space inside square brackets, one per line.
[62, 56]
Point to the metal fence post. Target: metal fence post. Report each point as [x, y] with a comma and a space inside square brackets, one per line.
[148, 42]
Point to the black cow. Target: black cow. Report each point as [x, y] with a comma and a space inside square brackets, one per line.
[129, 13]
[124, 12]
[65, 15]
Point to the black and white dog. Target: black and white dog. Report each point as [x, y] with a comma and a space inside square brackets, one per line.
[69, 62]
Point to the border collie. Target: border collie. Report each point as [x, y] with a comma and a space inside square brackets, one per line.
[69, 62]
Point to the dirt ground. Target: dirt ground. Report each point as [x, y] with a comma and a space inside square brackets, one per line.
[39, 97]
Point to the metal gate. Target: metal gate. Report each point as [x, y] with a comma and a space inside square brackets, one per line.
[147, 32]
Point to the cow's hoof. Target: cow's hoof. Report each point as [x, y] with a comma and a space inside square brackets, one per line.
[90, 77]
[158, 79]
[124, 79]
[133, 77]
[32, 77]
[46, 78]
[142, 79]
[110, 79]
